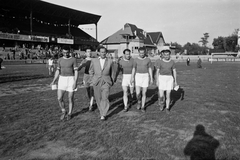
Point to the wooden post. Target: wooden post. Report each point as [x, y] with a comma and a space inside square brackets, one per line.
[96, 31]
[31, 21]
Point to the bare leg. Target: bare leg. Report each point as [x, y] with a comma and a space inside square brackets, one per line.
[144, 91]
[70, 102]
[168, 99]
[138, 90]
[125, 96]
[91, 101]
[91, 97]
[161, 99]
[60, 94]
[131, 92]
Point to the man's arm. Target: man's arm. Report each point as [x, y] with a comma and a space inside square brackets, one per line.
[82, 64]
[133, 75]
[114, 68]
[75, 78]
[175, 76]
[57, 73]
[150, 74]
[91, 69]
[157, 77]
[55, 76]
[118, 70]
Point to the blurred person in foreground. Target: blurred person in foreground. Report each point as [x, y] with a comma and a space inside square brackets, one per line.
[166, 78]
[67, 71]
[87, 77]
[142, 75]
[103, 75]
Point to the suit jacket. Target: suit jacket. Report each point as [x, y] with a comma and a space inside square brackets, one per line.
[102, 76]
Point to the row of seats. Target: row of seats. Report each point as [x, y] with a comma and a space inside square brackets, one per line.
[23, 26]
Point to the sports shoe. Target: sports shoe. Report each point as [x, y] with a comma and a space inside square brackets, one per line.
[102, 118]
[64, 113]
[139, 106]
[125, 109]
[143, 109]
[167, 110]
[90, 108]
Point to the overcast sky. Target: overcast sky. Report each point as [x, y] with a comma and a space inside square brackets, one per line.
[180, 21]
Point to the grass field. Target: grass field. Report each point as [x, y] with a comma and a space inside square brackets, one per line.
[204, 119]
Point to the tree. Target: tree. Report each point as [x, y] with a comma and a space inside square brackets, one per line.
[219, 43]
[226, 43]
[193, 49]
[204, 39]
[179, 48]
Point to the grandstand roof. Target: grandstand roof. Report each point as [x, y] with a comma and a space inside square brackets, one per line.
[47, 12]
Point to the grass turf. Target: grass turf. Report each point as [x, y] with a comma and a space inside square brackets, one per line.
[204, 119]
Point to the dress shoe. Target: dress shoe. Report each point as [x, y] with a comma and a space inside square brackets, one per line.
[64, 113]
[102, 118]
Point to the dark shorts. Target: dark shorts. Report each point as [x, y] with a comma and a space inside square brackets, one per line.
[87, 80]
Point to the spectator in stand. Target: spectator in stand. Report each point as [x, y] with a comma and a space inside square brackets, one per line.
[3, 46]
[1, 60]
[13, 53]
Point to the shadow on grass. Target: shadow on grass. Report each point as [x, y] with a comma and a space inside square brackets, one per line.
[176, 95]
[153, 95]
[21, 78]
[202, 146]
[84, 110]
[115, 96]
[118, 105]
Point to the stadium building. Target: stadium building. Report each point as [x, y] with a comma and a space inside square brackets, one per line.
[35, 22]
[132, 37]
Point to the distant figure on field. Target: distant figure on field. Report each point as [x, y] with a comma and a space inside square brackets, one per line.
[50, 66]
[188, 61]
[199, 63]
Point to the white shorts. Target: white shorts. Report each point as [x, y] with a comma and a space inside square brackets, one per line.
[142, 79]
[126, 80]
[66, 83]
[165, 82]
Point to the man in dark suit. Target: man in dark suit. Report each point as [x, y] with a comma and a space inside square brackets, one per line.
[103, 74]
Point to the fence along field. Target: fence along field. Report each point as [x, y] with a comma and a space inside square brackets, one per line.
[206, 119]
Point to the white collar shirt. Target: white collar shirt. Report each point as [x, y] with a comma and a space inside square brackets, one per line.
[102, 61]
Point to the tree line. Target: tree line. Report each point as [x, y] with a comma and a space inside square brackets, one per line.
[220, 44]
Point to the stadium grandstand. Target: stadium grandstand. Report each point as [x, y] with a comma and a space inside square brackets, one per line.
[36, 23]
